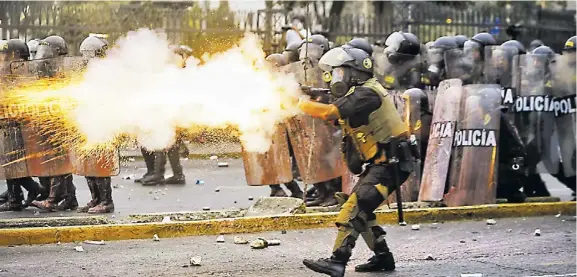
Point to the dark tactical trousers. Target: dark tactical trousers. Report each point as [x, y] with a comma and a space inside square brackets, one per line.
[357, 215]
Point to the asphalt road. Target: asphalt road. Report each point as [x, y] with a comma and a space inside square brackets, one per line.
[508, 248]
[131, 198]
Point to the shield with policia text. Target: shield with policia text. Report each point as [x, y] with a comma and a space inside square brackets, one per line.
[474, 159]
[440, 140]
[534, 110]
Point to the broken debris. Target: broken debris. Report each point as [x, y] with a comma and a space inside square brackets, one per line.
[430, 257]
[220, 239]
[491, 222]
[415, 227]
[212, 158]
[94, 242]
[195, 261]
[206, 208]
[155, 238]
[199, 182]
[537, 232]
[216, 190]
[259, 243]
[79, 248]
[166, 219]
[240, 240]
[222, 164]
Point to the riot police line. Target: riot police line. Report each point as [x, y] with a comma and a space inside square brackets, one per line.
[492, 135]
[28, 152]
[430, 123]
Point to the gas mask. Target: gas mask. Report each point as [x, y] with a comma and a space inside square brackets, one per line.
[340, 80]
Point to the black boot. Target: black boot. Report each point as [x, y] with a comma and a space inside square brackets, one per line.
[383, 259]
[94, 193]
[378, 262]
[70, 202]
[335, 265]
[295, 190]
[44, 188]
[34, 189]
[15, 197]
[57, 187]
[311, 193]
[322, 195]
[277, 191]
[159, 168]
[330, 266]
[149, 161]
[4, 197]
[332, 188]
[106, 204]
[177, 177]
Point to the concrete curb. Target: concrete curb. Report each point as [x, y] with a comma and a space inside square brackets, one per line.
[46, 235]
[53, 221]
[231, 155]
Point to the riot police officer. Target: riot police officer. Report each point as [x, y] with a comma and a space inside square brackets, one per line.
[467, 64]
[534, 44]
[33, 47]
[173, 153]
[435, 72]
[12, 199]
[402, 64]
[62, 195]
[374, 144]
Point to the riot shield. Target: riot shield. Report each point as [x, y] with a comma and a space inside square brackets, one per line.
[535, 113]
[44, 158]
[564, 90]
[12, 150]
[474, 165]
[467, 66]
[440, 140]
[316, 143]
[272, 167]
[104, 163]
[418, 120]
[498, 69]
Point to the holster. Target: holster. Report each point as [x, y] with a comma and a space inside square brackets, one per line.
[399, 150]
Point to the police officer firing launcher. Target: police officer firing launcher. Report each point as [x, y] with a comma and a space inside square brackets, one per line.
[374, 145]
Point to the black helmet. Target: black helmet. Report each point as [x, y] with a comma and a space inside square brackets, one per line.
[321, 41]
[347, 57]
[570, 44]
[277, 60]
[314, 47]
[360, 43]
[401, 46]
[484, 39]
[93, 47]
[58, 44]
[516, 45]
[445, 43]
[543, 50]
[460, 40]
[16, 49]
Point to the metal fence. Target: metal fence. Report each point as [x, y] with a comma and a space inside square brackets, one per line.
[429, 21]
[216, 30]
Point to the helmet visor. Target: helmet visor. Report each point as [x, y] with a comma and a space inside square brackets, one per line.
[335, 57]
[435, 55]
[393, 42]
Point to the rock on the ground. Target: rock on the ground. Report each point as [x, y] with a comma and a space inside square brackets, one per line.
[259, 244]
[79, 248]
[537, 232]
[155, 238]
[220, 239]
[491, 222]
[415, 227]
[240, 240]
[268, 206]
[195, 261]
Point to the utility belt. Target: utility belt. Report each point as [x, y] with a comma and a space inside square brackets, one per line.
[399, 151]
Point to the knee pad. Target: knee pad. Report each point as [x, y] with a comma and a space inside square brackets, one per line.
[351, 215]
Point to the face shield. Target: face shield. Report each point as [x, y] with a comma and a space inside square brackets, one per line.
[44, 51]
[314, 52]
[334, 58]
[435, 59]
[472, 50]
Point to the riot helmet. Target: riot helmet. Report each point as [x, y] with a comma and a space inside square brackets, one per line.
[292, 51]
[344, 68]
[401, 47]
[92, 47]
[360, 43]
[570, 44]
[460, 40]
[13, 50]
[435, 54]
[277, 60]
[534, 44]
[51, 47]
[514, 44]
[315, 46]
[33, 47]
[475, 46]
